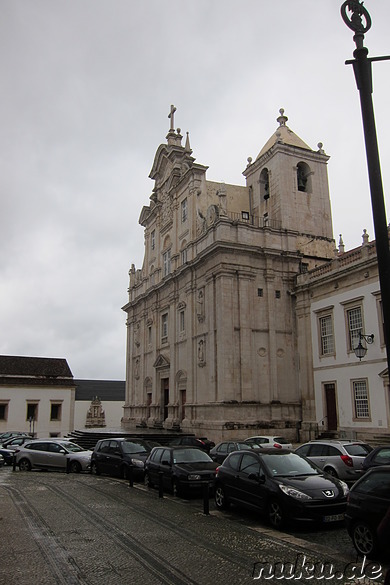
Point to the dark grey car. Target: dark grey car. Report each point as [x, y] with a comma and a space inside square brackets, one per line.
[120, 457]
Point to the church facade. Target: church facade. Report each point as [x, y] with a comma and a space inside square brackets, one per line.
[212, 344]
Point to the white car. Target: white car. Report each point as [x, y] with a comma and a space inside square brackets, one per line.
[269, 441]
[53, 454]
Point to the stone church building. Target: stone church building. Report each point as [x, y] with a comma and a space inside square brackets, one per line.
[211, 318]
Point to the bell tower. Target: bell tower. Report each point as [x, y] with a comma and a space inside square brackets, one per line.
[289, 190]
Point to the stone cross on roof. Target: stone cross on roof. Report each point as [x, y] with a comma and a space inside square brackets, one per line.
[171, 116]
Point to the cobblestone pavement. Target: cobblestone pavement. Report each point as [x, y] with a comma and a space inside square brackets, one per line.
[81, 529]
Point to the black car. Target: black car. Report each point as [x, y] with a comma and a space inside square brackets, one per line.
[120, 457]
[368, 502]
[378, 456]
[182, 469]
[281, 485]
[199, 442]
[222, 450]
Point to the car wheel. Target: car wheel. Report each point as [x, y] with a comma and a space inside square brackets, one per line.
[364, 539]
[147, 481]
[220, 498]
[24, 465]
[75, 467]
[331, 472]
[275, 514]
[176, 489]
[94, 468]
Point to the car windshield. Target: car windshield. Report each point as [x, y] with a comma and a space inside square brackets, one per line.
[72, 447]
[130, 447]
[190, 456]
[288, 464]
[357, 449]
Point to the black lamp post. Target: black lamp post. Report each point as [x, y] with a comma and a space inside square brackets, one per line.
[358, 19]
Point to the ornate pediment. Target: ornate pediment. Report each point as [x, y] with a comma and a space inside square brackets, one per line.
[161, 362]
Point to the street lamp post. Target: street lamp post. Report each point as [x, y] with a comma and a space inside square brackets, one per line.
[358, 19]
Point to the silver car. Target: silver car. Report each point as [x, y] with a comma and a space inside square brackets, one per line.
[269, 442]
[342, 459]
[53, 454]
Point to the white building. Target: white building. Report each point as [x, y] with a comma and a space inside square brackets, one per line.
[336, 303]
[40, 396]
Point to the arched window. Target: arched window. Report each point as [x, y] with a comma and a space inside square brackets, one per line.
[304, 177]
[264, 184]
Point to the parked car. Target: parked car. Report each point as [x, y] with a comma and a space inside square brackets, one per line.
[270, 441]
[117, 456]
[281, 485]
[342, 459]
[9, 434]
[199, 442]
[16, 440]
[368, 502]
[1, 460]
[9, 447]
[183, 469]
[52, 454]
[222, 450]
[378, 456]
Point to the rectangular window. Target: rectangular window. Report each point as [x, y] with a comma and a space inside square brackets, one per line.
[3, 411]
[184, 210]
[259, 292]
[184, 256]
[32, 411]
[245, 215]
[360, 396]
[326, 335]
[150, 335]
[167, 262]
[55, 412]
[277, 294]
[355, 326]
[153, 239]
[182, 322]
[164, 326]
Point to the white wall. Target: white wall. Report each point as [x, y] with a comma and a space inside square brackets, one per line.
[18, 398]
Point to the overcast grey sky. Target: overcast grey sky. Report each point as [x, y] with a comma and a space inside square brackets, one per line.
[86, 91]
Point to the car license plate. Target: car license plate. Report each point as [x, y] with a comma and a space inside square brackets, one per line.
[334, 518]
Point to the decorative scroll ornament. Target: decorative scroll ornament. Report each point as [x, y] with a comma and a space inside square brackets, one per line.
[355, 20]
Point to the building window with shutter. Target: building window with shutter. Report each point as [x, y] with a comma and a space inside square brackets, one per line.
[55, 411]
[360, 397]
[167, 262]
[326, 335]
[164, 327]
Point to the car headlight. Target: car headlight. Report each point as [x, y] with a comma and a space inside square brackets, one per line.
[293, 493]
[137, 462]
[194, 476]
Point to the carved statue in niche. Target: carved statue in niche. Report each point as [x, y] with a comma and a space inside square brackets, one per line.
[95, 415]
[201, 353]
[166, 211]
[136, 368]
[200, 305]
[136, 334]
[201, 223]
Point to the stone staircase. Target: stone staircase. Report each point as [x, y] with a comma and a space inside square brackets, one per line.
[88, 439]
